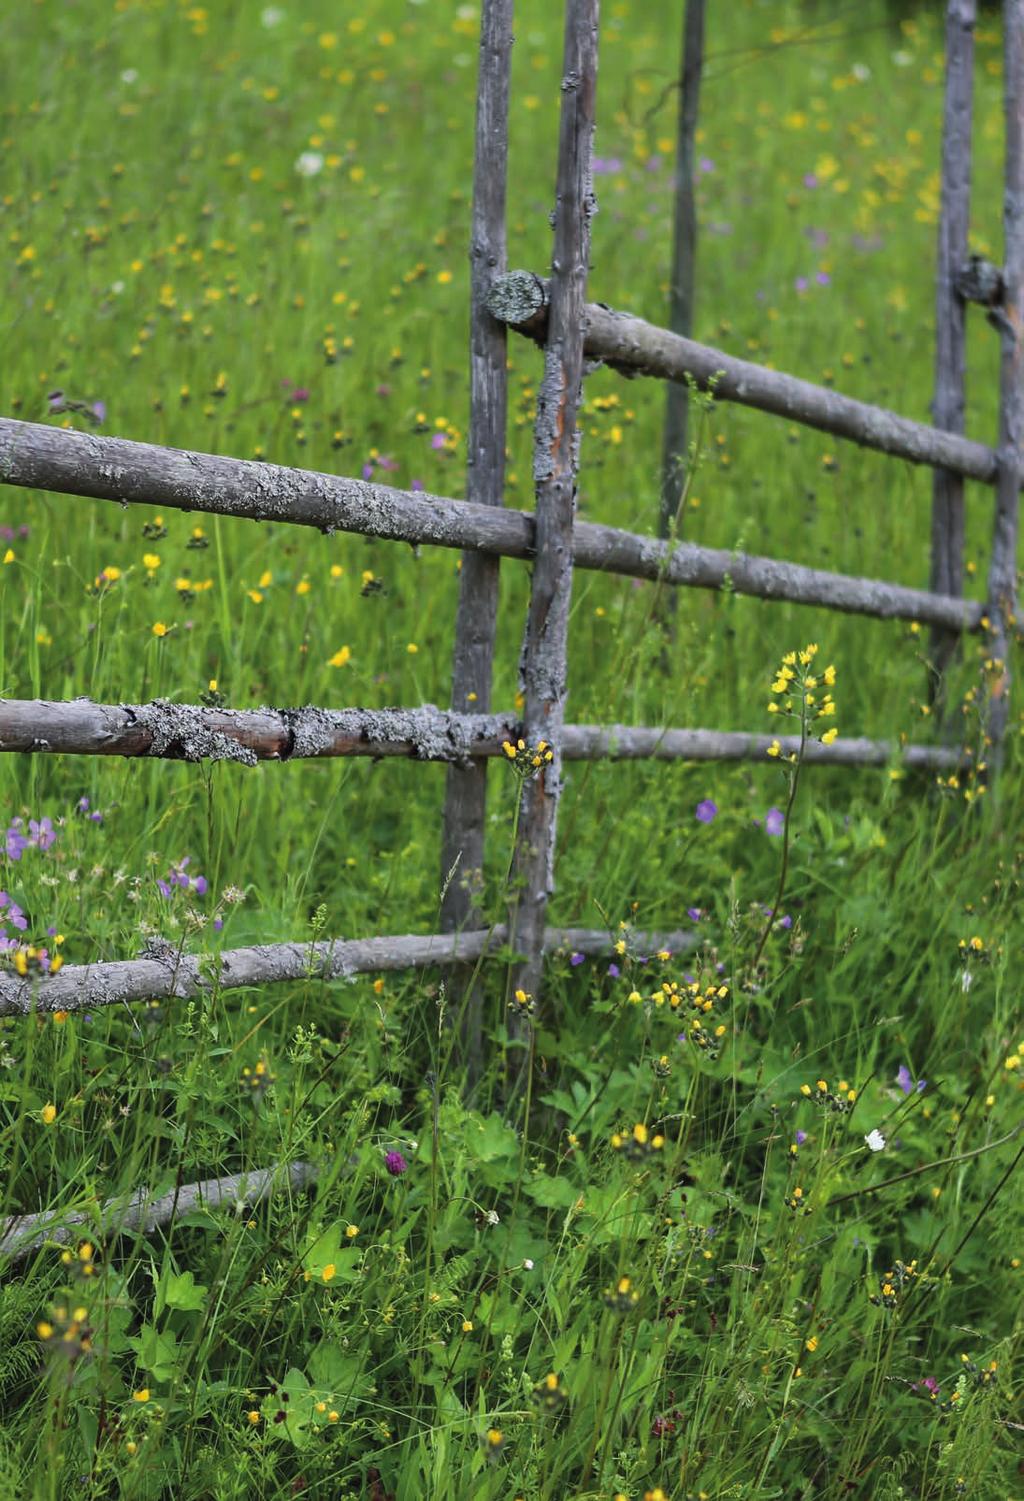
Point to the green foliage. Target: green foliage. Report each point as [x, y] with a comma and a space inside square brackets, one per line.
[674, 1268]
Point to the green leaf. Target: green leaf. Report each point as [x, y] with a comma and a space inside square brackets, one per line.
[552, 1193]
[179, 1290]
[156, 1351]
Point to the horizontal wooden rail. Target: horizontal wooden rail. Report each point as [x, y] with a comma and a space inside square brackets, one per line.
[635, 347]
[116, 469]
[22, 1234]
[188, 732]
[165, 972]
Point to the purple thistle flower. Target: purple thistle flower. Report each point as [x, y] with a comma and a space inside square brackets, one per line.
[706, 811]
[396, 1164]
[774, 821]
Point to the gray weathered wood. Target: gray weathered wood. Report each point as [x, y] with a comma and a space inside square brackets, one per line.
[684, 261]
[168, 973]
[114, 469]
[190, 733]
[555, 463]
[1002, 578]
[947, 575]
[476, 619]
[635, 347]
[144, 1211]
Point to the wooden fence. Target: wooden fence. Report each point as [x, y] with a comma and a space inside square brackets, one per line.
[556, 314]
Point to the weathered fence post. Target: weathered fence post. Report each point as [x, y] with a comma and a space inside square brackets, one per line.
[684, 262]
[1002, 578]
[555, 459]
[950, 318]
[462, 838]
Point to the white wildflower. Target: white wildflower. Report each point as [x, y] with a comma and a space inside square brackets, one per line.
[876, 1141]
[309, 164]
[271, 16]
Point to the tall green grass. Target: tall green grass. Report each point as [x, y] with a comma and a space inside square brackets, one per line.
[164, 255]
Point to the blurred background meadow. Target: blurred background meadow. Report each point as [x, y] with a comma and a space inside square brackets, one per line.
[243, 229]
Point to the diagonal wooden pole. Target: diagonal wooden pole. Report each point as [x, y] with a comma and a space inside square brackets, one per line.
[1002, 578]
[684, 263]
[555, 461]
[947, 572]
[462, 837]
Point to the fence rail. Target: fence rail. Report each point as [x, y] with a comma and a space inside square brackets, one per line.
[189, 732]
[167, 972]
[635, 347]
[556, 313]
[123, 471]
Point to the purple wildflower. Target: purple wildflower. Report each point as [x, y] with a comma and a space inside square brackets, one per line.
[99, 410]
[706, 811]
[705, 164]
[694, 914]
[438, 441]
[299, 394]
[41, 833]
[905, 1080]
[218, 923]
[614, 971]
[416, 484]
[801, 1137]
[575, 959]
[823, 279]
[801, 284]
[368, 470]
[396, 1164]
[810, 180]
[774, 821]
[785, 921]
[605, 166]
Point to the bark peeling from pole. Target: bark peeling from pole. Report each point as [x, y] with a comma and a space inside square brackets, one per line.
[684, 261]
[476, 620]
[1002, 578]
[947, 575]
[116, 469]
[555, 462]
[635, 347]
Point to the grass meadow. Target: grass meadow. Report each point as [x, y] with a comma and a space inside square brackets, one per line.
[680, 1270]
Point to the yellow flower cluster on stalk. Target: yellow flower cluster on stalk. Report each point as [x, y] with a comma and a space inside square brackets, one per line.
[797, 690]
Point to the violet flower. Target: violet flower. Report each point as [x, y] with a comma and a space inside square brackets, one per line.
[706, 811]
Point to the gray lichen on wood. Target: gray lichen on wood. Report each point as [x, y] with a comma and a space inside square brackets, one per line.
[144, 1211]
[1002, 578]
[947, 529]
[631, 345]
[168, 973]
[476, 619]
[555, 462]
[48, 458]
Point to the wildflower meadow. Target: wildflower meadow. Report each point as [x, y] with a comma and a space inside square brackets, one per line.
[737, 1217]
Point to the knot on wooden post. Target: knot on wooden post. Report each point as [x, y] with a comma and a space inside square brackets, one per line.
[517, 298]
